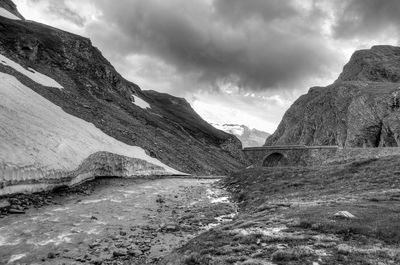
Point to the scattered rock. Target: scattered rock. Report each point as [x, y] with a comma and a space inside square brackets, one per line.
[344, 214]
[135, 252]
[160, 199]
[344, 249]
[94, 245]
[171, 228]
[4, 203]
[292, 254]
[119, 252]
[255, 262]
[101, 259]
[51, 255]
[16, 211]
[325, 244]
[326, 238]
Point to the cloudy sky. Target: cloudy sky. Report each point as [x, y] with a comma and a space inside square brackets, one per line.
[235, 61]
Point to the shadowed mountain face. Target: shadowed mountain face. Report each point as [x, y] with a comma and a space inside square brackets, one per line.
[165, 126]
[361, 109]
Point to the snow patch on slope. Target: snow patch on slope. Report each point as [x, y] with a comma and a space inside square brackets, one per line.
[7, 14]
[34, 132]
[39, 78]
[140, 102]
[16, 257]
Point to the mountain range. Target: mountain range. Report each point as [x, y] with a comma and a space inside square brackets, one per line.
[248, 137]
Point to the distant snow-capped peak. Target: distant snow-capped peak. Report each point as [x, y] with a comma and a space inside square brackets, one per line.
[248, 137]
[235, 129]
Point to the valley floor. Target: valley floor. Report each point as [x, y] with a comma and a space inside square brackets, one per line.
[110, 221]
[287, 216]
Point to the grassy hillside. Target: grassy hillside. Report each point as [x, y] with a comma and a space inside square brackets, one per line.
[288, 217]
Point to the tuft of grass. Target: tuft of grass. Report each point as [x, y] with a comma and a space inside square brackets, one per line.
[196, 259]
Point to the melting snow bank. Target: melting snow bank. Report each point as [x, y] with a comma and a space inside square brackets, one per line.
[39, 78]
[42, 147]
[140, 102]
[7, 14]
[16, 257]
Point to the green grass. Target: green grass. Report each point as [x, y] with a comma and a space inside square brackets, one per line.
[378, 216]
[254, 187]
[373, 220]
[305, 200]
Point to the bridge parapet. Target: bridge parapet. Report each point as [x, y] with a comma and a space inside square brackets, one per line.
[290, 147]
[302, 155]
[288, 155]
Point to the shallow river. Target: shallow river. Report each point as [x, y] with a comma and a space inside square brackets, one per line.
[59, 234]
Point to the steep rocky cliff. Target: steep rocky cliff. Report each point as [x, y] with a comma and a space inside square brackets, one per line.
[360, 109]
[64, 70]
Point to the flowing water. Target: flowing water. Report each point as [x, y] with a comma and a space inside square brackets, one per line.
[75, 223]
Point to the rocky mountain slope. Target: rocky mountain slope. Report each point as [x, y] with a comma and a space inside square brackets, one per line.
[248, 137]
[91, 112]
[360, 109]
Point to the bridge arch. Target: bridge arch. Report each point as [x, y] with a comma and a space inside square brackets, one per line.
[275, 159]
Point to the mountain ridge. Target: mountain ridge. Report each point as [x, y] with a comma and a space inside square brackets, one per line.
[248, 137]
[360, 109]
[85, 85]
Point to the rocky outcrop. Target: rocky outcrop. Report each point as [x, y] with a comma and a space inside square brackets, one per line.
[378, 64]
[248, 137]
[90, 89]
[360, 109]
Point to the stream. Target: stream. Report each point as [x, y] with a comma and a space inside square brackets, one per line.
[123, 221]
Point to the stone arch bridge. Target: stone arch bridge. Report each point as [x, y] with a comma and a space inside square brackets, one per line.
[302, 155]
[289, 155]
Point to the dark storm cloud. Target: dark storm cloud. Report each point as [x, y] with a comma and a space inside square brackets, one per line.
[259, 44]
[59, 8]
[68, 14]
[238, 10]
[367, 18]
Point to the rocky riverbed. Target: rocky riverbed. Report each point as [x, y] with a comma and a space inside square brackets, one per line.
[110, 221]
